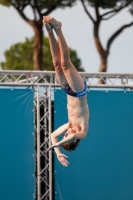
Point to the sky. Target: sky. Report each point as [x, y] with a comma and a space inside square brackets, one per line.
[78, 31]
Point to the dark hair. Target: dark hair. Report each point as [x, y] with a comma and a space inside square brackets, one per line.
[71, 146]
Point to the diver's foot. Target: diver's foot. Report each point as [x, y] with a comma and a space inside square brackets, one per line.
[46, 24]
[54, 23]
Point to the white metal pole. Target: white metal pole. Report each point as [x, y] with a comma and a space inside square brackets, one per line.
[50, 152]
[38, 146]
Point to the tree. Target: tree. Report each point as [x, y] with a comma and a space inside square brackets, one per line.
[39, 8]
[113, 7]
[20, 56]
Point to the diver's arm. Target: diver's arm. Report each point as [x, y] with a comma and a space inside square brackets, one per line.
[54, 137]
[60, 130]
[55, 144]
[71, 137]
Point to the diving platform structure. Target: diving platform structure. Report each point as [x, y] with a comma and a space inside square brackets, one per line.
[42, 83]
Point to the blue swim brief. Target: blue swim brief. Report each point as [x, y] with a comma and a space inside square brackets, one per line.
[70, 92]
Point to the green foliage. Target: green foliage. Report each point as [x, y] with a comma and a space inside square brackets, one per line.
[20, 56]
[107, 3]
[5, 2]
[59, 3]
[40, 5]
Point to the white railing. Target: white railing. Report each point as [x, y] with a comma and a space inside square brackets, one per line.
[47, 78]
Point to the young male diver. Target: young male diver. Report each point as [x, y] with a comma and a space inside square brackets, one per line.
[76, 89]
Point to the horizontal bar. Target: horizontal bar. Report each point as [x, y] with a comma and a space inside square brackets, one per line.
[57, 85]
[97, 74]
[110, 86]
[27, 72]
[42, 97]
[27, 84]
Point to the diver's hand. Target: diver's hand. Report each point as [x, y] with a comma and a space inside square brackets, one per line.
[62, 159]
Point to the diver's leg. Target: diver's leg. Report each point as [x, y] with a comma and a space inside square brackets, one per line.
[75, 81]
[55, 52]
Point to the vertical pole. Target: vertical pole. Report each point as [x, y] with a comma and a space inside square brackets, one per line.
[45, 138]
[126, 79]
[50, 152]
[38, 146]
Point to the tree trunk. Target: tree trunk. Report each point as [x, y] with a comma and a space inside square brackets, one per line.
[103, 67]
[37, 47]
[103, 53]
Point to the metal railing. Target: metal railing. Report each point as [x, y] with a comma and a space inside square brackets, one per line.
[47, 78]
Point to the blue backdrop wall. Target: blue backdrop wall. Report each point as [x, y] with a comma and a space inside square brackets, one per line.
[102, 166]
[16, 144]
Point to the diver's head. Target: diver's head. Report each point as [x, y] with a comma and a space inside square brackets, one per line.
[70, 146]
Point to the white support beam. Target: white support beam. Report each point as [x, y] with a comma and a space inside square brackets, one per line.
[47, 78]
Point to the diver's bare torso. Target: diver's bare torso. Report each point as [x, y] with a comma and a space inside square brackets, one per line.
[78, 113]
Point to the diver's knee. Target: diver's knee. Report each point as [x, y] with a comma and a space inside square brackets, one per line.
[56, 63]
[65, 64]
